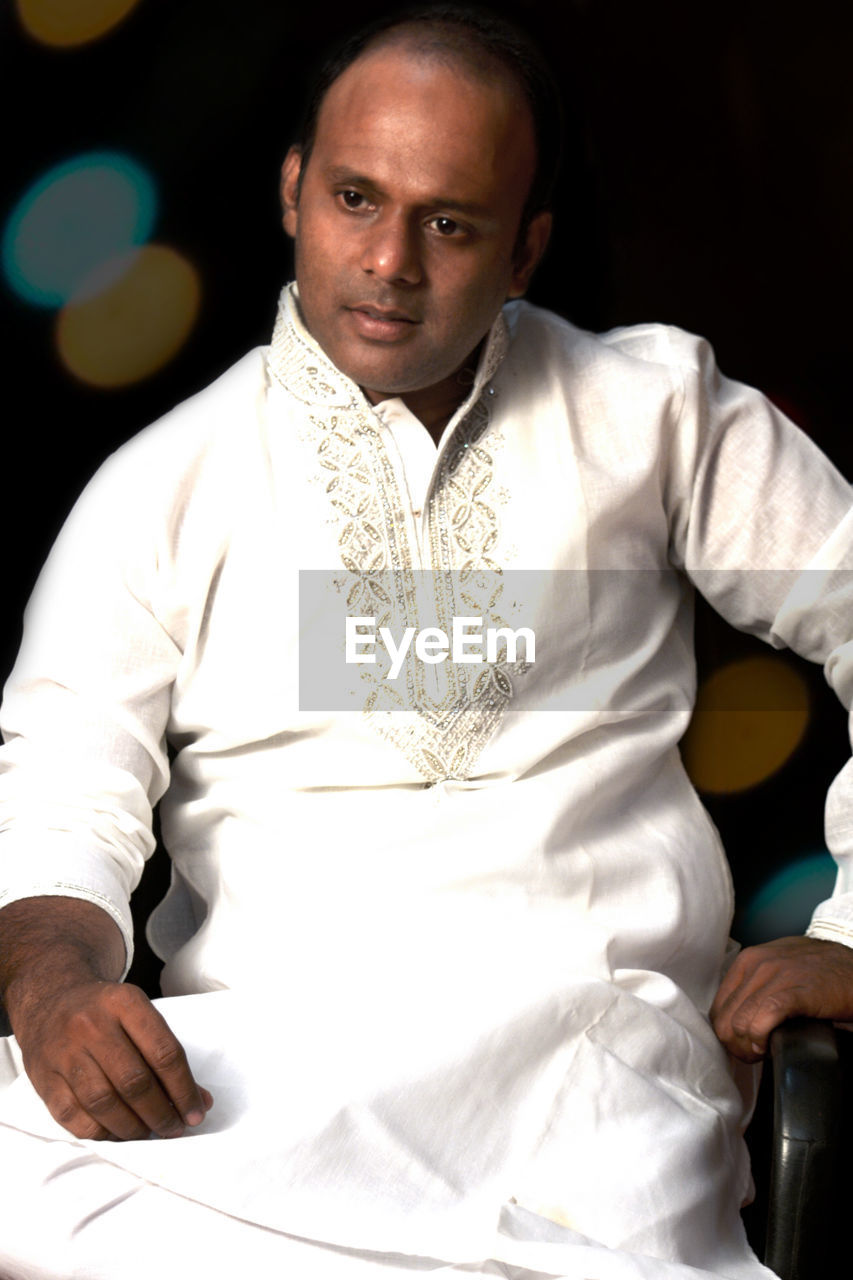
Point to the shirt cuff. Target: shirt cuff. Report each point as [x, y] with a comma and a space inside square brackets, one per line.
[832, 920]
[67, 873]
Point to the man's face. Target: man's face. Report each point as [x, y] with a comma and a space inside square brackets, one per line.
[407, 218]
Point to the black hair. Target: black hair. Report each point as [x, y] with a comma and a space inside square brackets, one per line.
[484, 40]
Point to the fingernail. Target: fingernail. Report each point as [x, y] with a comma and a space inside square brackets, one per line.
[194, 1117]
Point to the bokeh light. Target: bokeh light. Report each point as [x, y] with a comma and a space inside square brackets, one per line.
[65, 23]
[80, 214]
[135, 326]
[784, 905]
[750, 717]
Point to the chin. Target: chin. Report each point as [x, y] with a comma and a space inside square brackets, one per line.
[384, 382]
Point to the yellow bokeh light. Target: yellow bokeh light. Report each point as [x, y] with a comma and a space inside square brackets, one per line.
[134, 327]
[750, 717]
[65, 23]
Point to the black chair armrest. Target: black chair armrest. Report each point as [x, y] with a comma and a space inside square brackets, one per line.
[807, 1127]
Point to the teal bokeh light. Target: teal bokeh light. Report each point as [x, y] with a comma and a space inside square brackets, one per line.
[784, 905]
[78, 216]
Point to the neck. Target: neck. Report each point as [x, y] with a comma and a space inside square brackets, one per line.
[435, 413]
[435, 406]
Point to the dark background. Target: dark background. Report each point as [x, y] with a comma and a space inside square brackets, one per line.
[708, 184]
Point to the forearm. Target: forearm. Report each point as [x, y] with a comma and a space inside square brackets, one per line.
[47, 943]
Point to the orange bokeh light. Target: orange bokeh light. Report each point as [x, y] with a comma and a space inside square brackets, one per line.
[750, 717]
[66, 23]
[136, 325]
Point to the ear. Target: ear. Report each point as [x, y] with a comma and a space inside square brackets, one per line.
[528, 256]
[290, 172]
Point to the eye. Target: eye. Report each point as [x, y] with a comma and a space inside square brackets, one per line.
[351, 199]
[445, 227]
[354, 201]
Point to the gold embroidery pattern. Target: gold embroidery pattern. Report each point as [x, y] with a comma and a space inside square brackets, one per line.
[442, 719]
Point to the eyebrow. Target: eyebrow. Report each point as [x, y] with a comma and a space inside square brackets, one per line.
[341, 174]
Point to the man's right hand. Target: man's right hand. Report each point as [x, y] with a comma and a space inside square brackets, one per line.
[106, 1064]
[98, 1053]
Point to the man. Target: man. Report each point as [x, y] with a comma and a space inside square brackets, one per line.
[453, 955]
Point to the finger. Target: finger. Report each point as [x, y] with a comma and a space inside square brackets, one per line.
[729, 999]
[728, 988]
[68, 1111]
[734, 1008]
[725, 996]
[747, 970]
[134, 1087]
[107, 1104]
[747, 1047]
[170, 1076]
[761, 1013]
[766, 994]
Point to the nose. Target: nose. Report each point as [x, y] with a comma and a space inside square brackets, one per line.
[392, 252]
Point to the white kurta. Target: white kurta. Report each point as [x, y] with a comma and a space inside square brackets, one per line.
[490, 927]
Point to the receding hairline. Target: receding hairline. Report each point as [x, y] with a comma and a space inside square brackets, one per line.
[485, 70]
[435, 40]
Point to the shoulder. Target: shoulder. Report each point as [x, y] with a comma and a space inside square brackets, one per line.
[208, 435]
[634, 374]
[213, 419]
[173, 484]
[656, 349]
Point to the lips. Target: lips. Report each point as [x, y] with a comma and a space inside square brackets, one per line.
[382, 324]
[383, 313]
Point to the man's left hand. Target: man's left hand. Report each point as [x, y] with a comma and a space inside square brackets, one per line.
[789, 978]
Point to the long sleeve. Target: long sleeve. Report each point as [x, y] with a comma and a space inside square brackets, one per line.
[767, 537]
[119, 613]
[85, 711]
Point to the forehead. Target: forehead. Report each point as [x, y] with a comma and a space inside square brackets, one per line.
[417, 113]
